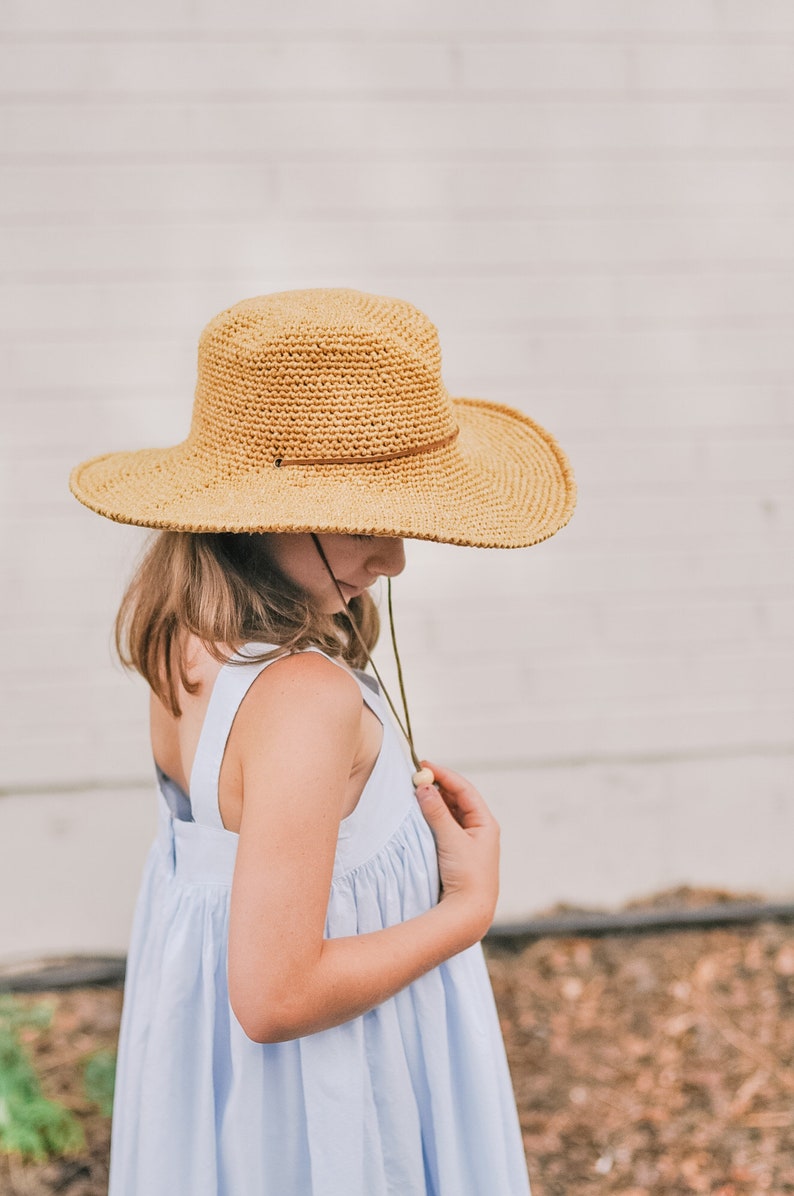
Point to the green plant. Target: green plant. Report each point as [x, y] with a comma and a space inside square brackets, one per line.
[30, 1125]
[99, 1078]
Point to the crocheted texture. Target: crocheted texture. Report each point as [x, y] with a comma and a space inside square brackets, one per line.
[325, 410]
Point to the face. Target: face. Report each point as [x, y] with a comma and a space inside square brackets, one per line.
[356, 562]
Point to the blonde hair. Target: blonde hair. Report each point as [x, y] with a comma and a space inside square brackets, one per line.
[222, 588]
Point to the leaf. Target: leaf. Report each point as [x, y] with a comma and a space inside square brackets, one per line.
[30, 1125]
[99, 1079]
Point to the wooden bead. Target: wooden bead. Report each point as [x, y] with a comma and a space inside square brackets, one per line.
[424, 777]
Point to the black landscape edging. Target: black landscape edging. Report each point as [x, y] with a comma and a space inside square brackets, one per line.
[587, 923]
[81, 971]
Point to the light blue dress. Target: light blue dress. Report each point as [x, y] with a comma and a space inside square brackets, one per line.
[412, 1099]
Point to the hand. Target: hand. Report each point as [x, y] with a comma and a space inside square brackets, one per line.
[467, 841]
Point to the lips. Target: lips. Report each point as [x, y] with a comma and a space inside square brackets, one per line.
[355, 591]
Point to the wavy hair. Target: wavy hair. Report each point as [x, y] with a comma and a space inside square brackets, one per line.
[222, 588]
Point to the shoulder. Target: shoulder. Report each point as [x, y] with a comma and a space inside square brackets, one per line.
[299, 721]
[306, 686]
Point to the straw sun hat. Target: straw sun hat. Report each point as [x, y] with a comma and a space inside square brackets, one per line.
[324, 410]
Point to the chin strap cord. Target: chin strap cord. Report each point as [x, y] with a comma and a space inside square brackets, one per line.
[408, 732]
[423, 776]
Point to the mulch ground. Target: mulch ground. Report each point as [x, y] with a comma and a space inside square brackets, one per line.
[653, 1064]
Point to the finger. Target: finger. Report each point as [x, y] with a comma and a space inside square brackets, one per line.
[435, 809]
[461, 796]
[451, 781]
[457, 791]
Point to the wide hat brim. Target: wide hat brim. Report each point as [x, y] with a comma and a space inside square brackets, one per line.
[503, 482]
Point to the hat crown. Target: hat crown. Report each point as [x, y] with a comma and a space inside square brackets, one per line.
[324, 374]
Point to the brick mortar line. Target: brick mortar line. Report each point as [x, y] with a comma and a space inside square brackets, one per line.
[459, 93]
[454, 36]
[649, 269]
[776, 751]
[549, 156]
[177, 218]
[581, 326]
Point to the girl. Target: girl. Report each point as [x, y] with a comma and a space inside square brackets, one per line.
[307, 1010]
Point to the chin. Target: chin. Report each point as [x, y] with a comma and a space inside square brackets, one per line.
[331, 608]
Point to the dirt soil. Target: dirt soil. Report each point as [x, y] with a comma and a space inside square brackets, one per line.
[654, 1064]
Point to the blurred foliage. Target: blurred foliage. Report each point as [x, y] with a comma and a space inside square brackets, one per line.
[30, 1125]
[99, 1078]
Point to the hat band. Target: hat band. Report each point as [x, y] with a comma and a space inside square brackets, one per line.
[280, 462]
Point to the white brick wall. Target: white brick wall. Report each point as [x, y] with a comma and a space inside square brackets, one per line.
[593, 202]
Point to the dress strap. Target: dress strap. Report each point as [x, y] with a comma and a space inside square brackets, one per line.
[231, 685]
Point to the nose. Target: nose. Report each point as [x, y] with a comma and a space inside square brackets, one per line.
[387, 558]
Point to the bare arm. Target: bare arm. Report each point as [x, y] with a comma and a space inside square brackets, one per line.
[296, 736]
